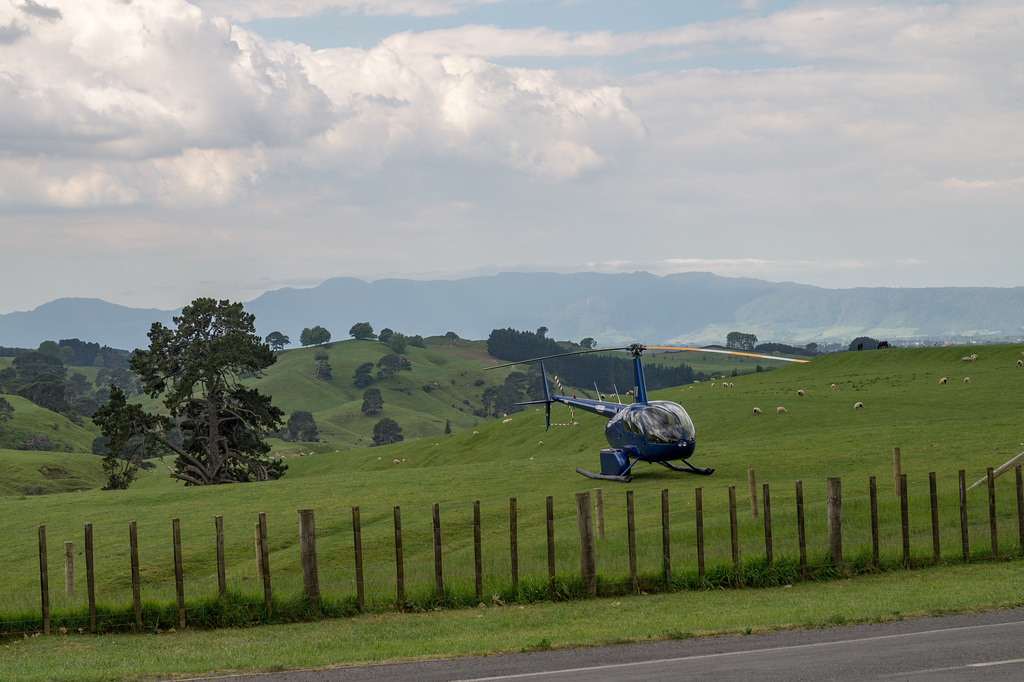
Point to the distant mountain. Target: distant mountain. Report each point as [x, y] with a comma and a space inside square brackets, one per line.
[612, 308]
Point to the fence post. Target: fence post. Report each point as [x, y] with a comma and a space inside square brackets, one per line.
[399, 560]
[133, 548]
[752, 484]
[698, 495]
[873, 496]
[905, 519]
[258, 545]
[801, 528]
[768, 545]
[179, 572]
[90, 577]
[631, 539]
[963, 517]
[438, 568]
[896, 470]
[734, 527]
[933, 491]
[666, 540]
[307, 557]
[1020, 508]
[550, 507]
[44, 581]
[69, 568]
[584, 526]
[357, 546]
[835, 520]
[991, 480]
[478, 559]
[265, 564]
[599, 512]
[222, 577]
[513, 541]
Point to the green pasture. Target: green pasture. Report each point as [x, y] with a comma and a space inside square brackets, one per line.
[941, 428]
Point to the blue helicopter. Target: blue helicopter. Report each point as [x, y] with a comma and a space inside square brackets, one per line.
[653, 431]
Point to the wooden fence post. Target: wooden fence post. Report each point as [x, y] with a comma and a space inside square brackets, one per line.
[357, 546]
[307, 558]
[768, 545]
[835, 520]
[133, 548]
[599, 512]
[69, 568]
[44, 581]
[801, 528]
[550, 509]
[631, 541]
[752, 484]
[734, 528]
[933, 491]
[265, 564]
[222, 576]
[991, 480]
[905, 519]
[258, 545]
[513, 541]
[438, 566]
[588, 569]
[90, 577]
[179, 571]
[399, 560]
[873, 497]
[666, 540]
[963, 517]
[478, 559]
[698, 495]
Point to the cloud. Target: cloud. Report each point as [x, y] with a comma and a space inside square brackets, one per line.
[247, 10]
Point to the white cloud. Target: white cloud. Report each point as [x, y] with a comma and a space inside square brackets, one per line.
[247, 10]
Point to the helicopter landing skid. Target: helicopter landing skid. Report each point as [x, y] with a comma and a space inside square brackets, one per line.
[604, 477]
[688, 469]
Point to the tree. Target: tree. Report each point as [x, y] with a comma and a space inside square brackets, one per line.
[301, 427]
[373, 401]
[323, 368]
[6, 411]
[392, 364]
[385, 335]
[364, 375]
[447, 427]
[398, 342]
[542, 331]
[362, 331]
[387, 431]
[196, 369]
[277, 341]
[451, 338]
[588, 343]
[740, 341]
[315, 336]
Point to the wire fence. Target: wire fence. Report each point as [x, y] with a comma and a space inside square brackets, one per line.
[202, 572]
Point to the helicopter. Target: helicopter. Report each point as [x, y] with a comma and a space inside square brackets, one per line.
[652, 431]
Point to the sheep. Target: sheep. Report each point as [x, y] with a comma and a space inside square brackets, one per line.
[732, 385]
[781, 410]
[974, 356]
[967, 358]
[540, 442]
[378, 459]
[712, 384]
[476, 433]
[757, 410]
[800, 392]
[1020, 363]
[942, 381]
[858, 405]
[397, 462]
[967, 380]
[833, 387]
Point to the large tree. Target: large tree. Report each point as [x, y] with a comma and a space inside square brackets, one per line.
[277, 341]
[373, 401]
[362, 331]
[387, 431]
[197, 369]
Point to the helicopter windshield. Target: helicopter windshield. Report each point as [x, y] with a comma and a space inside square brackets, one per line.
[666, 422]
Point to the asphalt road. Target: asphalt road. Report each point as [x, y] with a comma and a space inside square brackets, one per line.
[983, 646]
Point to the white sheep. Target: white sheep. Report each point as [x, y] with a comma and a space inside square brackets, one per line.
[781, 410]
[732, 385]
[858, 405]
[942, 381]
[712, 384]
[974, 356]
[967, 380]
[1020, 363]
[397, 462]
[967, 358]
[833, 387]
[476, 433]
[378, 459]
[757, 410]
[800, 392]
[540, 442]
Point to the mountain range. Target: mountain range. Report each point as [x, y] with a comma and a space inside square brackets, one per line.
[686, 308]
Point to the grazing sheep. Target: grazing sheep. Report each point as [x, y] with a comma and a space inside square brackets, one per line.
[476, 433]
[757, 410]
[403, 460]
[712, 384]
[540, 442]
[397, 462]
[833, 387]
[378, 459]
[942, 381]
[800, 392]
[967, 358]
[967, 380]
[781, 410]
[732, 385]
[974, 356]
[858, 405]
[1020, 363]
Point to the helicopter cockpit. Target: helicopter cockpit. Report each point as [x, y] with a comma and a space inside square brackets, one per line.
[659, 422]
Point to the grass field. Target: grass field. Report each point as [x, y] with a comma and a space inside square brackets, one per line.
[940, 428]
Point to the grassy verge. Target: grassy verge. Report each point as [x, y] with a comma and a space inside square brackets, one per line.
[383, 637]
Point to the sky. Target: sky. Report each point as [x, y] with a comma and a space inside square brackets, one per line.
[155, 151]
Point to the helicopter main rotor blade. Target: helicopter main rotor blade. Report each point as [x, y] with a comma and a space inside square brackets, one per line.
[727, 352]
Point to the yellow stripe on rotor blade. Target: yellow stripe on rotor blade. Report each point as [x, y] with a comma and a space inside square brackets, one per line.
[727, 352]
